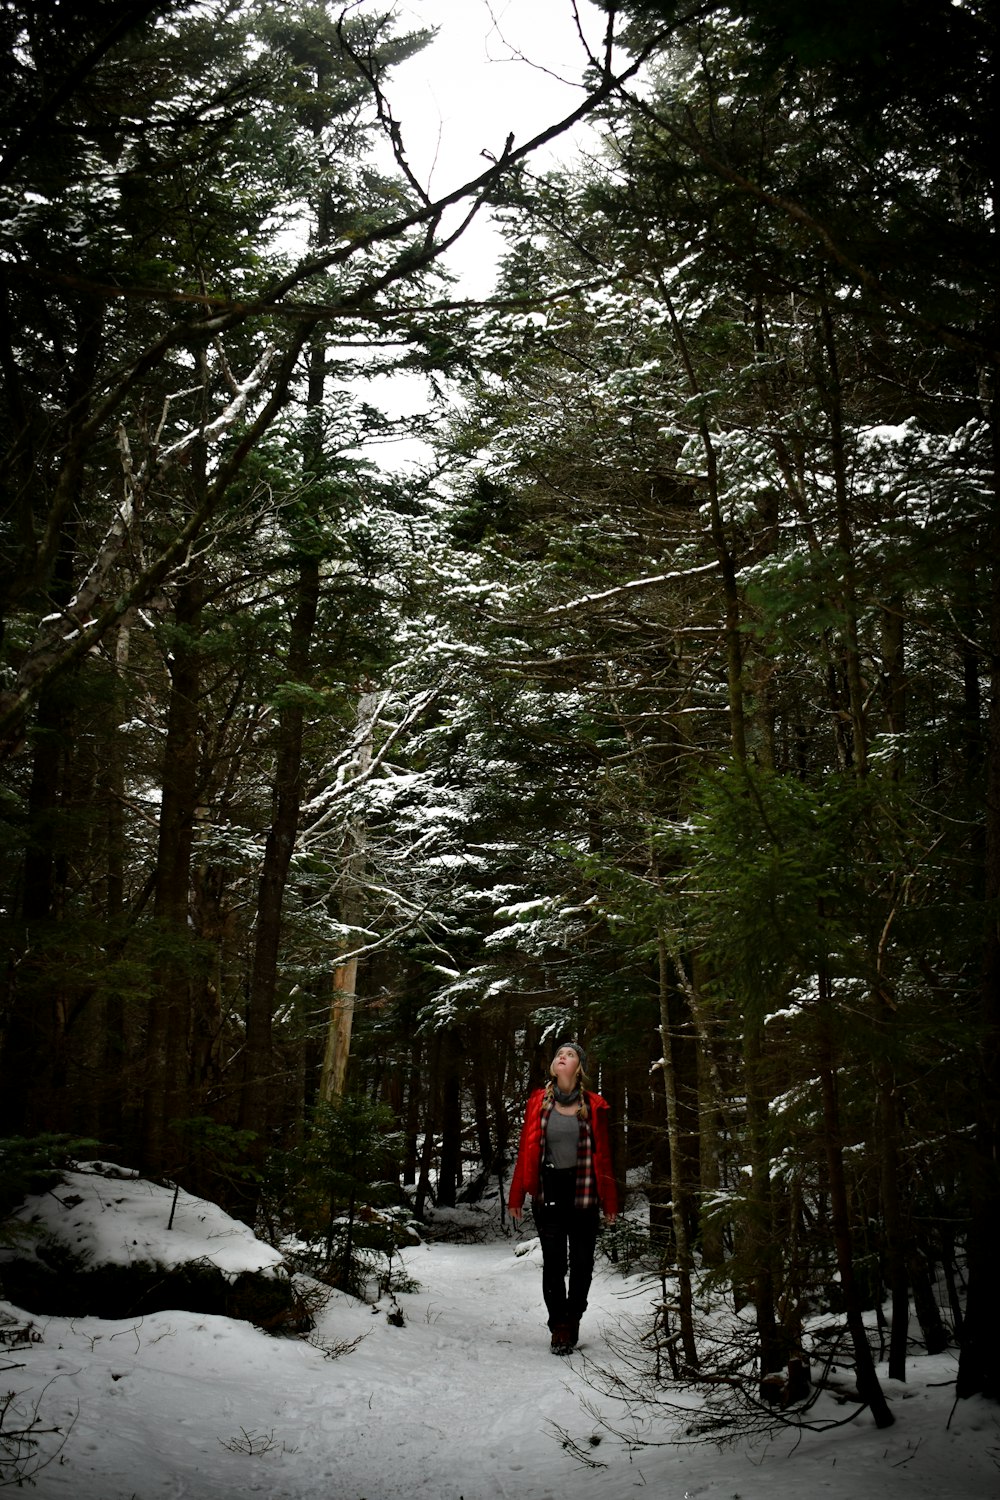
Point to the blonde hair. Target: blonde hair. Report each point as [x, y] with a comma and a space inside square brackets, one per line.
[581, 1082]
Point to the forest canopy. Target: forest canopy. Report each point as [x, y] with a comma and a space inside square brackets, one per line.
[659, 707]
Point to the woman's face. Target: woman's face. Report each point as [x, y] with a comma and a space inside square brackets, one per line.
[565, 1066]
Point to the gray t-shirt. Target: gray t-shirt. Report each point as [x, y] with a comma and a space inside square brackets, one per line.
[562, 1136]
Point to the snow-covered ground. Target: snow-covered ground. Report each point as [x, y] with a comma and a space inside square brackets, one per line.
[462, 1402]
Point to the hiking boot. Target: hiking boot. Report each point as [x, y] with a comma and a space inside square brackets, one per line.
[561, 1339]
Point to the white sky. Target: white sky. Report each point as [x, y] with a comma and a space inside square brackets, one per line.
[496, 66]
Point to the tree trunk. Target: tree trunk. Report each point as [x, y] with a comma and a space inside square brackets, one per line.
[935, 1335]
[278, 850]
[830, 390]
[481, 1107]
[678, 1186]
[450, 1160]
[894, 677]
[727, 566]
[345, 976]
[709, 1094]
[868, 1385]
[338, 1035]
[709, 1145]
[979, 1362]
[897, 1256]
[412, 1117]
[758, 1250]
[164, 1097]
[427, 1146]
[111, 1115]
[33, 1043]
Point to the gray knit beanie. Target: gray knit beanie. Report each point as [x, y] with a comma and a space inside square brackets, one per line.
[577, 1049]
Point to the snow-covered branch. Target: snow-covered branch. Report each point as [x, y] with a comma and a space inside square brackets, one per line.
[586, 600]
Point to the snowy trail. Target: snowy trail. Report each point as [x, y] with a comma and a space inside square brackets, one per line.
[462, 1403]
[462, 1391]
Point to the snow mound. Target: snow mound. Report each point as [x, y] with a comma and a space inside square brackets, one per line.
[107, 1215]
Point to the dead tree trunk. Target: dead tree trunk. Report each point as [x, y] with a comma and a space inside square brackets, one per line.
[345, 976]
[678, 1186]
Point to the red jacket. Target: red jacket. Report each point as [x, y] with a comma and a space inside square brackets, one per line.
[528, 1171]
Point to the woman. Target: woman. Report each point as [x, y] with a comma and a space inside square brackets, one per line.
[564, 1163]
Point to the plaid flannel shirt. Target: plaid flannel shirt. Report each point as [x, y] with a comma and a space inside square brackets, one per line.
[586, 1177]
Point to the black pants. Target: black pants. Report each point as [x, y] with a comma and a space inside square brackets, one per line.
[568, 1235]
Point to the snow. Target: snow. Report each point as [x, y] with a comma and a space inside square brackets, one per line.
[464, 1401]
[113, 1217]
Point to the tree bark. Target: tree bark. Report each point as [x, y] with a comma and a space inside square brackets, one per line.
[34, 1041]
[343, 999]
[678, 1187]
[164, 1096]
[894, 1229]
[758, 1250]
[450, 1160]
[278, 850]
[723, 552]
[868, 1383]
[979, 1365]
[113, 1091]
[830, 391]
